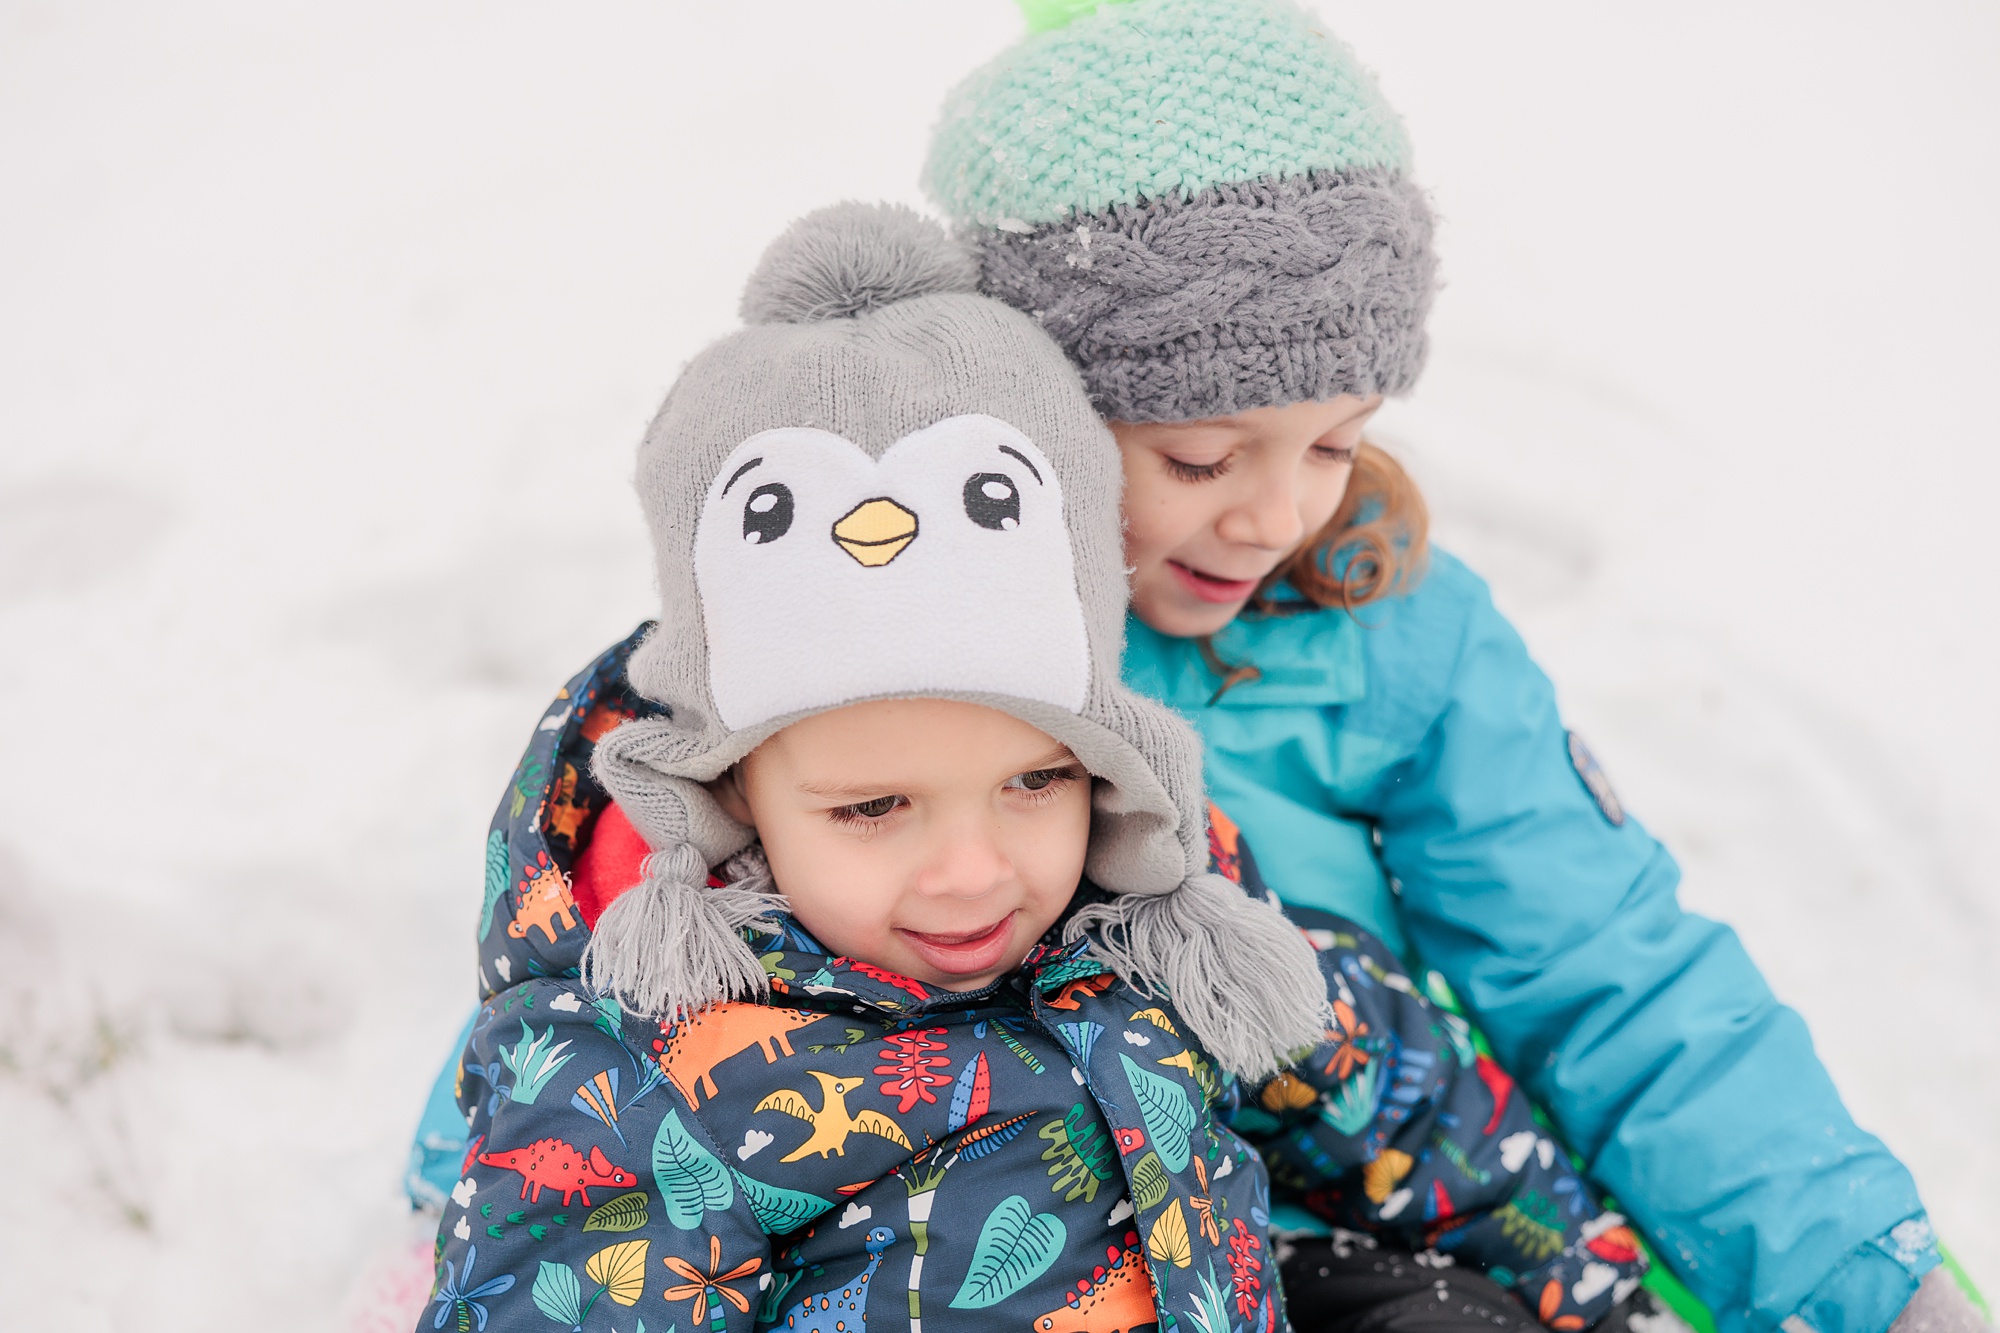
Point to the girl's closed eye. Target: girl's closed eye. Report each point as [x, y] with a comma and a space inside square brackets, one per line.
[1183, 470]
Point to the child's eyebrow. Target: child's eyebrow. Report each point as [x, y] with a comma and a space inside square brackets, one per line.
[1060, 757]
[846, 791]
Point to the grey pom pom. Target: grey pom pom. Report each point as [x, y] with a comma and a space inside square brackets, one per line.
[1243, 979]
[851, 258]
[671, 945]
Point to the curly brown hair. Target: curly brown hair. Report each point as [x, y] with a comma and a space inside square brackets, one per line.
[1375, 545]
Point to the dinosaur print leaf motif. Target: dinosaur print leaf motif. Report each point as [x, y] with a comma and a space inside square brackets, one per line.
[1169, 1242]
[1149, 1182]
[981, 1140]
[496, 879]
[1016, 1246]
[627, 1212]
[972, 1094]
[534, 1063]
[1081, 1038]
[1082, 1153]
[780, 1210]
[621, 1269]
[1352, 1105]
[692, 1180]
[1380, 1177]
[556, 1293]
[1164, 1106]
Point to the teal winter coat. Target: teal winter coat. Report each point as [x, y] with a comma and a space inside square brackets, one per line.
[1406, 767]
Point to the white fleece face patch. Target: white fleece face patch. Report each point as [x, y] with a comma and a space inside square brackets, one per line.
[827, 576]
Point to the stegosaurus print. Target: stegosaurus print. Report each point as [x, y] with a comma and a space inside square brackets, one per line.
[544, 897]
[1118, 1296]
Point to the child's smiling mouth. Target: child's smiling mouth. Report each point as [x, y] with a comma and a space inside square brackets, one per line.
[963, 953]
[1210, 587]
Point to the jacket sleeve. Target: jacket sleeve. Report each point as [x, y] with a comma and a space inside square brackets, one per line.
[1647, 1031]
[1396, 1127]
[588, 1181]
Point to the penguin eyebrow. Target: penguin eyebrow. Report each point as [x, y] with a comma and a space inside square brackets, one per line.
[737, 475]
[1006, 449]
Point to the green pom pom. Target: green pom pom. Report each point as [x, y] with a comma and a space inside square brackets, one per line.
[1042, 15]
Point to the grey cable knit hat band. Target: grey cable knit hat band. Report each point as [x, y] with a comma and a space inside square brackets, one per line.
[1244, 296]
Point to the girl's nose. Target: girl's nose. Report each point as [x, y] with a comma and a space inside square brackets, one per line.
[967, 863]
[1265, 513]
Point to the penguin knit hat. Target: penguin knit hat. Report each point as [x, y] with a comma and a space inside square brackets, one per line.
[1205, 202]
[888, 486]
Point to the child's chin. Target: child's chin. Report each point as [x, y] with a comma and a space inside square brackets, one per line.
[1178, 614]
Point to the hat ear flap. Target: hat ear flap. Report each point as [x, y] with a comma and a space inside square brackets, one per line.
[1241, 976]
[671, 944]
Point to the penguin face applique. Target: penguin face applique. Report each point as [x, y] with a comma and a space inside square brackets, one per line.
[827, 576]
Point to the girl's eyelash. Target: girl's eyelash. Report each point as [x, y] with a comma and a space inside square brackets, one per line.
[1338, 453]
[1183, 471]
[866, 812]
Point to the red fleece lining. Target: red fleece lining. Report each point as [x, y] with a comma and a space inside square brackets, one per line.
[608, 865]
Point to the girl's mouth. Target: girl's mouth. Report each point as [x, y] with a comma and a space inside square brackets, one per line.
[1210, 588]
[964, 953]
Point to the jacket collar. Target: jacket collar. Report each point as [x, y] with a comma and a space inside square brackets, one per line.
[1311, 658]
[804, 975]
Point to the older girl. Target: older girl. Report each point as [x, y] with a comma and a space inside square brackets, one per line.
[1207, 203]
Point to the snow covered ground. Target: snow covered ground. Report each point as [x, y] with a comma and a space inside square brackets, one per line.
[326, 333]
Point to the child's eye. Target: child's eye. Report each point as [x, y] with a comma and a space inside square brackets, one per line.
[1185, 471]
[862, 811]
[1330, 451]
[1042, 779]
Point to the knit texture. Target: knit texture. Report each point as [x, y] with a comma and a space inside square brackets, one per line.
[1155, 99]
[1246, 296]
[893, 487]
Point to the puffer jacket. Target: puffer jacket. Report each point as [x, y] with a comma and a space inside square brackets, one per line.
[1050, 1151]
[1407, 767]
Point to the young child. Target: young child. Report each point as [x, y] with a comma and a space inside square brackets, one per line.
[956, 1032]
[1209, 204]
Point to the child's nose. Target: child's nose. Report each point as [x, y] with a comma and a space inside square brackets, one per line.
[1266, 515]
[967, 863]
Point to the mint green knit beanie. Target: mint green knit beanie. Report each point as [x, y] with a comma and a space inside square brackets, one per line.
[1205, 202]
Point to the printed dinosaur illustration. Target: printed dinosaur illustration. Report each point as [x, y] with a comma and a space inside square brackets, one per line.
[544, 897]
[847, 1310]
[562, 815]
[556, 1165]
[831, 1123]
[1119, 1296]
[695, 1046]
[1085, 986]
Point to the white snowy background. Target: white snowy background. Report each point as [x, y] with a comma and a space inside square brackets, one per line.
[326, 335]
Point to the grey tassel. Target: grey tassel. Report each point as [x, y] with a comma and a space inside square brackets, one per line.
[670, 944]
[1242, 977]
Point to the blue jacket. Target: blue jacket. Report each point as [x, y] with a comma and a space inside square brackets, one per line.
[780, 1163]
[1407, 768]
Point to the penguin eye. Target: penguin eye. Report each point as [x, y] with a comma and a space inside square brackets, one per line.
[993, 501]
[767, 514]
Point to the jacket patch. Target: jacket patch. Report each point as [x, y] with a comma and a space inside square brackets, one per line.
[1595, 781]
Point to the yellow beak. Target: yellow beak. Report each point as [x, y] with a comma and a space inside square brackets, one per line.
[875, 531]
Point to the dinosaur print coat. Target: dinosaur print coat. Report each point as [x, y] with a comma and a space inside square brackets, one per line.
[1053, 1153]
